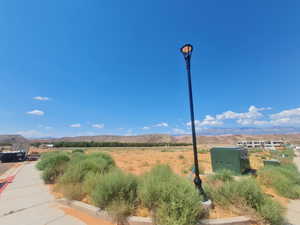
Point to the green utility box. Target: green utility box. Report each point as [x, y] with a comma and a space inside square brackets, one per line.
[232, 158]
[272, 162]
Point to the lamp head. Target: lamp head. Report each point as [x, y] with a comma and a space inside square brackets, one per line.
[187, 50]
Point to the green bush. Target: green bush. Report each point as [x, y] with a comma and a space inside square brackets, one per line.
[154, 185]
[52, 159]
[245, 193]
[72, 191]
[271, 211]
[115, 186]
[77, 151]
[81, 165]
[53, 166]
[223, 175]
[119, 210]
[173, 199]
[284, 179]
[90, 181]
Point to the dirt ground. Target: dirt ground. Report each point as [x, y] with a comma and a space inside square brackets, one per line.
[5, 166]
[88, 220]
[139, 162]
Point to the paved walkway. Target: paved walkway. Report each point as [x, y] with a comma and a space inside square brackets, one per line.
[27, 201]
[293, 211]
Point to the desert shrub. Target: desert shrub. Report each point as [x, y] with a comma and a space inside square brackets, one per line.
[243, 194]
[77, 151]
[90, 181]
[52, 159]
[154, 185]
[72, 191]
[284, 179]
[173, 199]
[53, 165]
[115, 186]
[180, 157]
[109, 160]
[271, 211]
[223, 175]
[98, 163]
[119, 210]
[244, 191]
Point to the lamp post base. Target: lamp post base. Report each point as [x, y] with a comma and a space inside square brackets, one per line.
[207, 205]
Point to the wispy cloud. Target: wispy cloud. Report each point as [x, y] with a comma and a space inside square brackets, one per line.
[36, 112]
[75, 125]
[40, 98]
[99, 126]
[162, 124]
[251, 117]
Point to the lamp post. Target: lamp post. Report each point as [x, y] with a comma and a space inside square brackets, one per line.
[187, 50]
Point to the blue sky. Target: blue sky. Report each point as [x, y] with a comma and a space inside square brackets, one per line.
[114, 67]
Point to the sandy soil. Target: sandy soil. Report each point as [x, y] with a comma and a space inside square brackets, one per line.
[139, 162]
[5, 166]
[88, 220]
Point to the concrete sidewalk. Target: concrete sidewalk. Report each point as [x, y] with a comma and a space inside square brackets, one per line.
[27, 201]
[293, 210]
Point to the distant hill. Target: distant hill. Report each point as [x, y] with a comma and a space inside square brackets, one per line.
[151, 138]
[233, 139]
[11, 139]
[160, 138]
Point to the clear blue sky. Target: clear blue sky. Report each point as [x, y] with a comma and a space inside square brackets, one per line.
[116, 65]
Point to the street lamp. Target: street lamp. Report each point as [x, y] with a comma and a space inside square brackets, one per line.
[187, 50]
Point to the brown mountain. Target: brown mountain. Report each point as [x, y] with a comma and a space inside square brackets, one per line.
[159, 138]
[151, 138]
[11, 139]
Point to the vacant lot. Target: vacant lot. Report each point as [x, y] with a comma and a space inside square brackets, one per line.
[138, 160]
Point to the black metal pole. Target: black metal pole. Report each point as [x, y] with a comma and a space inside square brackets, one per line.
[197, 179]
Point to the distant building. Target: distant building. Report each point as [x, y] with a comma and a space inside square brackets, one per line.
[46, 146]
[270, 145]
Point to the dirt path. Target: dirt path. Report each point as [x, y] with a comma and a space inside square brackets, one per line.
[5, 166]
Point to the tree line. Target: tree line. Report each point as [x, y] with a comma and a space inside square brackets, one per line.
[108, 144]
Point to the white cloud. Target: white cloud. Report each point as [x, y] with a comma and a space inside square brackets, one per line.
[178, 131]
[286, 114]
[75, 125]
[253, 113]
[36, 112]
[207, 121]
[40, 98]
[99, 126]
[286, 117]
[162, 124]
[245, 118]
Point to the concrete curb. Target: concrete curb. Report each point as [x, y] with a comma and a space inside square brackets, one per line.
[136, 220]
